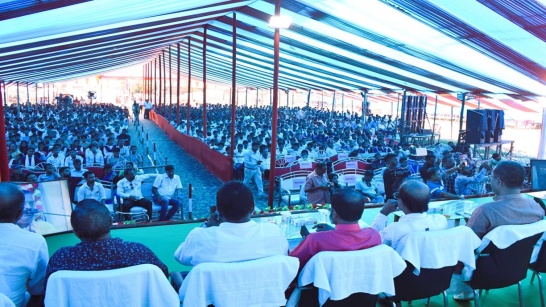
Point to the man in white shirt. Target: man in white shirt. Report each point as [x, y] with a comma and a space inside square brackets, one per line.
[216, 244]
[56, 158]
[91, 189]
[69, 160]
[413, 198]
[78, 171]
[23, 254]
[368, 187]
[238, 160]
[147, 107]
[167, 188]
[93, 156]
[129, 189]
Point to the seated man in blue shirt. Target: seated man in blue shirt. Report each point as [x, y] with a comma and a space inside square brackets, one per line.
[437, 189]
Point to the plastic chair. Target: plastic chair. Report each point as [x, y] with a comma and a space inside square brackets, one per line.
[428, 273]
[259, 282]
[538, 266]
[140, 285]
[499, 266]
[348, 278]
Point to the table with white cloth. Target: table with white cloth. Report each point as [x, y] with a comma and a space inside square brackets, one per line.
[292, 225]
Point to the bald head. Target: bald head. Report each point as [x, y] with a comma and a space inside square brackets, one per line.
[415, 196]
[12, 201]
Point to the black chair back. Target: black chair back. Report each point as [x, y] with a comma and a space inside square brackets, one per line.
[499, 268]
[309, 298]
[429, 282]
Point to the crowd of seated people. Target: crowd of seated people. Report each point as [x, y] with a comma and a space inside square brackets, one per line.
[51, 140]
[297, 127]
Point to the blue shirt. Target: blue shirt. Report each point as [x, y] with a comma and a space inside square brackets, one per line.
[436, 189]
[101, 255]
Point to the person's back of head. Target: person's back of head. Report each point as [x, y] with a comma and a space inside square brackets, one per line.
[511, 173]
[90, 220]
[414, 196]
[347, 207]
[235, 202]
[12, 201]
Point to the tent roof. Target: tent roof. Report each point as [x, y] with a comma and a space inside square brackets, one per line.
[491, 47]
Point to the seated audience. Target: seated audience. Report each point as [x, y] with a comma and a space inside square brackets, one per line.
[413, 198]
[77, 171]
[466, 183]
[50, 174]
[16, 173]
[495, 159]
[509, 206]
[346, 211]
[64, 172]
[368, 187]
[97, 250]
[237, 238]
[91, 189]
[24, 254]
[430, 161]
[436, 186]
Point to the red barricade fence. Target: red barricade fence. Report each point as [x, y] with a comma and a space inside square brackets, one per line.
[218, 164]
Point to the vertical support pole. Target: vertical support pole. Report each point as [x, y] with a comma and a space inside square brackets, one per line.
[257, 98]
[177, 85]
[155, 82]
[48, 99]
[160, 83]
[342, 103]
[28, 97]
[4, 161]
[164, 85]
[144, 80]
[18, 101]
[270, 96]
[308, 99]
[434, 119]
[36, 101]
[150, 81]
[188, 105]
[333, 103]
[246, 97]
[402, 119]
[205, 82]
[364, 107]
[170, 85]
[274, 112]
[452, 124]
[462, 112]
[288, 98]
[233, 86]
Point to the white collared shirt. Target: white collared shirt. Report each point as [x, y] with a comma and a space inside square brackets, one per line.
[97, 193]
[393, 233]
[231, 242]
[23, 262]
[167, 186]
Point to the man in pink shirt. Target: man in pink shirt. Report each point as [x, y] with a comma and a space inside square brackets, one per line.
[347, 208]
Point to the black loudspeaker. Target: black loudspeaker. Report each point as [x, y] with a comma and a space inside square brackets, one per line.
[499, 120]
[475, 137]
[497, 137]
[476, 120]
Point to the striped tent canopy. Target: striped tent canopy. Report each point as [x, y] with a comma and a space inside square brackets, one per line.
[492, 49]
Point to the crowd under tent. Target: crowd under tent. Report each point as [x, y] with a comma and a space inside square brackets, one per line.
[490, 49]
